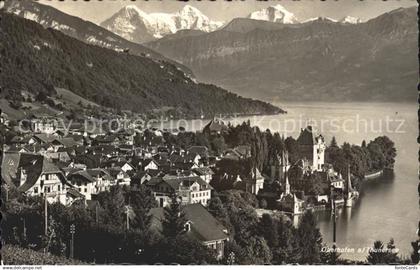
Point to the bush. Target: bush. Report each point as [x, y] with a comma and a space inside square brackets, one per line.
[13, 255]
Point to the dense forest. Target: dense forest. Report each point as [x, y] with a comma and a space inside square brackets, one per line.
[36, 60]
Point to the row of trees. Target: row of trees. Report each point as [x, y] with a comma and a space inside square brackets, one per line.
[377, 155]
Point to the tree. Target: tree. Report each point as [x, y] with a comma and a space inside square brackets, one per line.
[263, 203]
[113, 203]
[333, 142]
[182, 249]
[376, 156]
[257, 251]
[292, 148]
[415, 255]
[376, 254]
[41, 96]
[391, 252]
[218, 210]
[288, 250]
[309, 238]
[330, 257]
[387, 147]
[141, 200]
[174, 219]
[268, 229]
[218, 145]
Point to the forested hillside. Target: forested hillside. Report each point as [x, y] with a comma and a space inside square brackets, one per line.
[35, 59]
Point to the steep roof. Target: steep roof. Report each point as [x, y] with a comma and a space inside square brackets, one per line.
[243, 150]
[35, 166]
[186, 181]
[215, 125]
[66, 142]
[81, 174]
[201, 150]
[204, 227]
[45, 138]
[203, 171]
[99, 172]
[9, 168]
[306, 136]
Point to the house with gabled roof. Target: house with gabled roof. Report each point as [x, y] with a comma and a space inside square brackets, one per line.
[215, 126]
[83, 182]
[20, 141]
[43, 124]
[203, 151]
[34, 175]
[120, 176]
[66, 142]
[206, 173]
[149, 164]
[200, 225]
[103, 179]
[41, 139]
[190, 189]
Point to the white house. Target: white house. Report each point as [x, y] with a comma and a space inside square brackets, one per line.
[34, 175]
[190, 189]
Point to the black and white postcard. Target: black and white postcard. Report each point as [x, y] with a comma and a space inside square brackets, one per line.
[209, 133]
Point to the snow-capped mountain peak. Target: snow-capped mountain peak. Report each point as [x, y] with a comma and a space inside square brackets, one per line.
[190, 10]
[275, 13]
[350, 20]
[136, 25]
[133, 8]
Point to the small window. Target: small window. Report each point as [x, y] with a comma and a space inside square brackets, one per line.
[36, 190]
[187, 227]
[85, 190]
[59, 187]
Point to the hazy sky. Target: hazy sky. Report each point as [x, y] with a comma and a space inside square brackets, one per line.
[98, 11]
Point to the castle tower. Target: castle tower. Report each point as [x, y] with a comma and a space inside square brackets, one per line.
[312, 148]
[318, 153]
[287, 186]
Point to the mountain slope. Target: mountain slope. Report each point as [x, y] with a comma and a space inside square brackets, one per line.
[318, 60]
[36, 59]
[75, 27]
[136, 25]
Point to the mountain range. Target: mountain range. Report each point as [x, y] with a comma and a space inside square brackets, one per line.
[277, 57]
[38, 60]
[82, 30]
[320, 60]
[138, 26]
